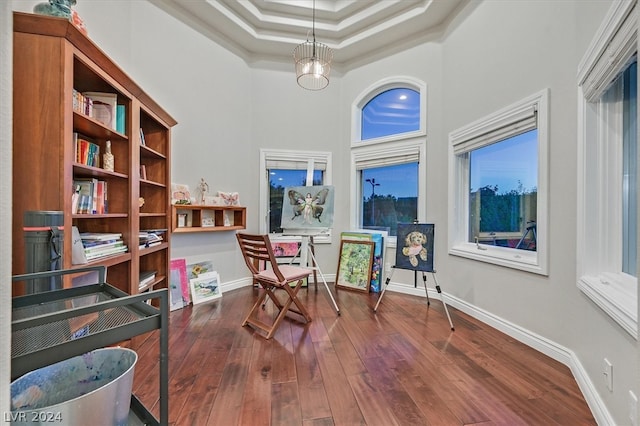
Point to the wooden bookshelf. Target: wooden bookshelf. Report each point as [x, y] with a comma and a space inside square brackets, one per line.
[52, 59]
[197, 218]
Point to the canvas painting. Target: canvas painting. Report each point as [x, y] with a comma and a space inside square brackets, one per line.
[354, 265]
[205, 287]
[378, 238]
[415, 246]
[177, 281]
[307, 207]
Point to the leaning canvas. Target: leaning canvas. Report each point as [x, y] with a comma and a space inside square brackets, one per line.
[307, 208]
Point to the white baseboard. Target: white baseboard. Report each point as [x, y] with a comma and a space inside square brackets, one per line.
[533, 340]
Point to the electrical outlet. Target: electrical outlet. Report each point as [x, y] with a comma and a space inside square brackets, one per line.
[633, 408]
[607, 371]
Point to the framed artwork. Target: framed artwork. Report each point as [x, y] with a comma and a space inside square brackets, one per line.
[285, 251]
[177, 282]
[378, 238]
[415, 246]
[205, 287]
[307, 208]
[354, 265]
[180, 194]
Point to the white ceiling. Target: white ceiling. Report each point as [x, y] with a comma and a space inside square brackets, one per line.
[359, 31]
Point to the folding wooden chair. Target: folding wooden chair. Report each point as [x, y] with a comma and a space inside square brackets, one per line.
[272, 277]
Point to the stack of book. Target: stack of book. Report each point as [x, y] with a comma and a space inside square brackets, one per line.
[99, 245]
[146, 278]
[150, 238]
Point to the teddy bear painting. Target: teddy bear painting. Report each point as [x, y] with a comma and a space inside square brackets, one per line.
[415, 246]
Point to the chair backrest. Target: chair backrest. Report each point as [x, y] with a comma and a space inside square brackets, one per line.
[256, 250]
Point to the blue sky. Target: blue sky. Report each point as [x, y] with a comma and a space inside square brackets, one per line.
[504, 163]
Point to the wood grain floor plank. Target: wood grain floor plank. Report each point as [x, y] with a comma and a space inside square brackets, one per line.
[402, 365]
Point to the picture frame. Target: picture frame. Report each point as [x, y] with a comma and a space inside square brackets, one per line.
[354, 265]
[414, 249]
[205, 287]
[177, 283]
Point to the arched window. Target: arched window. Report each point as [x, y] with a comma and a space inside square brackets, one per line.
[388, 155]
[391, 112]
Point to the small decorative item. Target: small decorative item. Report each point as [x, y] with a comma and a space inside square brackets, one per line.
[140, 202]
[182, 220]
[203, 188]
[205, 287]
[59, 8]
[180, 194]
[107, 158]
[229, 198]
[354, 265]
[62, 9]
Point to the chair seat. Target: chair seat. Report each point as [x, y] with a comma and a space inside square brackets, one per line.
[290, 273]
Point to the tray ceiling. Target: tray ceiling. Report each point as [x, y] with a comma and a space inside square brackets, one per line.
[359, 31]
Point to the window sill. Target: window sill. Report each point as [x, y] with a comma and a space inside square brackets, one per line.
[511, 258]
[616, 295]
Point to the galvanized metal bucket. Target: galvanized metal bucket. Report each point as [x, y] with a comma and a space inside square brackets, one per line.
[94, 388]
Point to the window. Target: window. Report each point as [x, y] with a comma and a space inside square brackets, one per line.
[396, 199]
[391, 112]
[503, 192]
[607, 168]
[288, 168]
[388, 155]
[499, 187]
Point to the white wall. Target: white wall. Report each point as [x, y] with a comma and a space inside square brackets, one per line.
[498, 53]
[531, 46]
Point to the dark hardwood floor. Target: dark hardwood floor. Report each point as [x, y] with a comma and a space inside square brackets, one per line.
[400, 366]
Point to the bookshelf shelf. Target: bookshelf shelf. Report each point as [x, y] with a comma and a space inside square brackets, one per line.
[207, 218]
[54, 169]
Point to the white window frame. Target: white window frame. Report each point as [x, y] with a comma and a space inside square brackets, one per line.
[290, 156]
[500, 125]
[387, 150]
[599, 216]
[400, 82]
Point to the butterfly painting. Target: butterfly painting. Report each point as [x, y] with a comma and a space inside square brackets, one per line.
[229, 198]
[307, 207]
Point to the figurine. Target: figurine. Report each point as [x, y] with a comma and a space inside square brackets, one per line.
[204, 188]
[61, 8]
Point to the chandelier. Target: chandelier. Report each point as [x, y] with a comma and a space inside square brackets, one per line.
[313, 61]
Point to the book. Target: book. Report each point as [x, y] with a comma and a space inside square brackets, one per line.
[104, 107]
[99, 236]
[78, 256]
[75, 199]
[142, 141]
[85, 194]
[146, 278]
[121, 124]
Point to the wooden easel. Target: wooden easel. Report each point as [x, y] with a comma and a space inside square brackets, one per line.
[306, 253]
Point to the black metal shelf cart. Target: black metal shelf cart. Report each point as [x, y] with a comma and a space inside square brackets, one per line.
[52, 326]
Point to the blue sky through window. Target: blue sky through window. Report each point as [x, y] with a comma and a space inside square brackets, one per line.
[400, 180]
[506, 164]
[391, 112]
